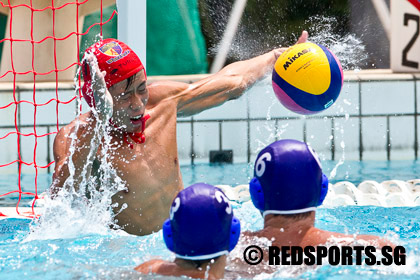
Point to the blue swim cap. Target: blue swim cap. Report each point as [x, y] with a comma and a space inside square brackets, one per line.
[288, 179]
[201, 224]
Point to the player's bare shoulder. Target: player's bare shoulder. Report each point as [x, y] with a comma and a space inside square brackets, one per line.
[165, 91]
[79, 125]
[151, 266]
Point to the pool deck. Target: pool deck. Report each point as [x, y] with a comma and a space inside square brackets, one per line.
[350, 76]
[20, 213]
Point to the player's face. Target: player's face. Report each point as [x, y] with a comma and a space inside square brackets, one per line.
[130, 98]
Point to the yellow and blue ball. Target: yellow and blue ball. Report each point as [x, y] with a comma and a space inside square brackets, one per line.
[307, 78]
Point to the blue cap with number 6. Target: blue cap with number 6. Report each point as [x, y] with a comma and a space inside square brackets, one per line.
[201, 225]
[288, 179]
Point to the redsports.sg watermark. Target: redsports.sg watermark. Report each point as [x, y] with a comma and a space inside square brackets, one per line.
[333, 255]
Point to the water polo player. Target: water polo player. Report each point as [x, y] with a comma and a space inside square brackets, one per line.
[287, 188]
[201, 231]
[143, 127]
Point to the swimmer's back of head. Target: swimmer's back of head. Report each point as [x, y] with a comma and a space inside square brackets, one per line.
[201, 224]
[288, 179]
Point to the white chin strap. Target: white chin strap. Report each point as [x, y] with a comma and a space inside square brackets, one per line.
[288, 212]
[203, 257]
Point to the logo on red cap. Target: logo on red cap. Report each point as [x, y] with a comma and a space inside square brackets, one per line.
[115, 50]
[111, 49]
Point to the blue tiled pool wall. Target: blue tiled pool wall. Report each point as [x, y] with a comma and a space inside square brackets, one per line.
[381, 102]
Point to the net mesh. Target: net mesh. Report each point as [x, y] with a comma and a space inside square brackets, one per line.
[15, 106]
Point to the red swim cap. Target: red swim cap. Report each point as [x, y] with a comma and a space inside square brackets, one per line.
[114, 57]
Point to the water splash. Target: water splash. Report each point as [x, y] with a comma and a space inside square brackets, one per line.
[251, 40]
[351, 53]
[333, 172]
[71, 213]
[348, 47]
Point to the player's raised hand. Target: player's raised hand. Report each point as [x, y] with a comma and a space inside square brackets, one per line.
[303, 37]
[103, 99]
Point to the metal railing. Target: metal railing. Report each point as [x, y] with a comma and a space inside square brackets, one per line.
[359, 116]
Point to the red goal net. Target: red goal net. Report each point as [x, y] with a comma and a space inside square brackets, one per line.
[38, 93]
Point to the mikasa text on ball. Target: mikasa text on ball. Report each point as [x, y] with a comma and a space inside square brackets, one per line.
[307, 78]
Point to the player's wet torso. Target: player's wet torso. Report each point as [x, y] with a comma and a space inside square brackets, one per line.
[151, 172]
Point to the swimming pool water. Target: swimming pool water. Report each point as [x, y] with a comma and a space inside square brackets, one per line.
[113, 255]
[236, 174]
[109, 254]
[353, 171]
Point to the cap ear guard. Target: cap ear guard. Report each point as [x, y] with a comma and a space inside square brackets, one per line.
[235, 232]
[257, 195]
[324, 189]
[167, 235]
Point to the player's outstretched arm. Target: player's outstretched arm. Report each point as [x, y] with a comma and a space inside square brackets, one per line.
[376, 241]
[229, 83]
